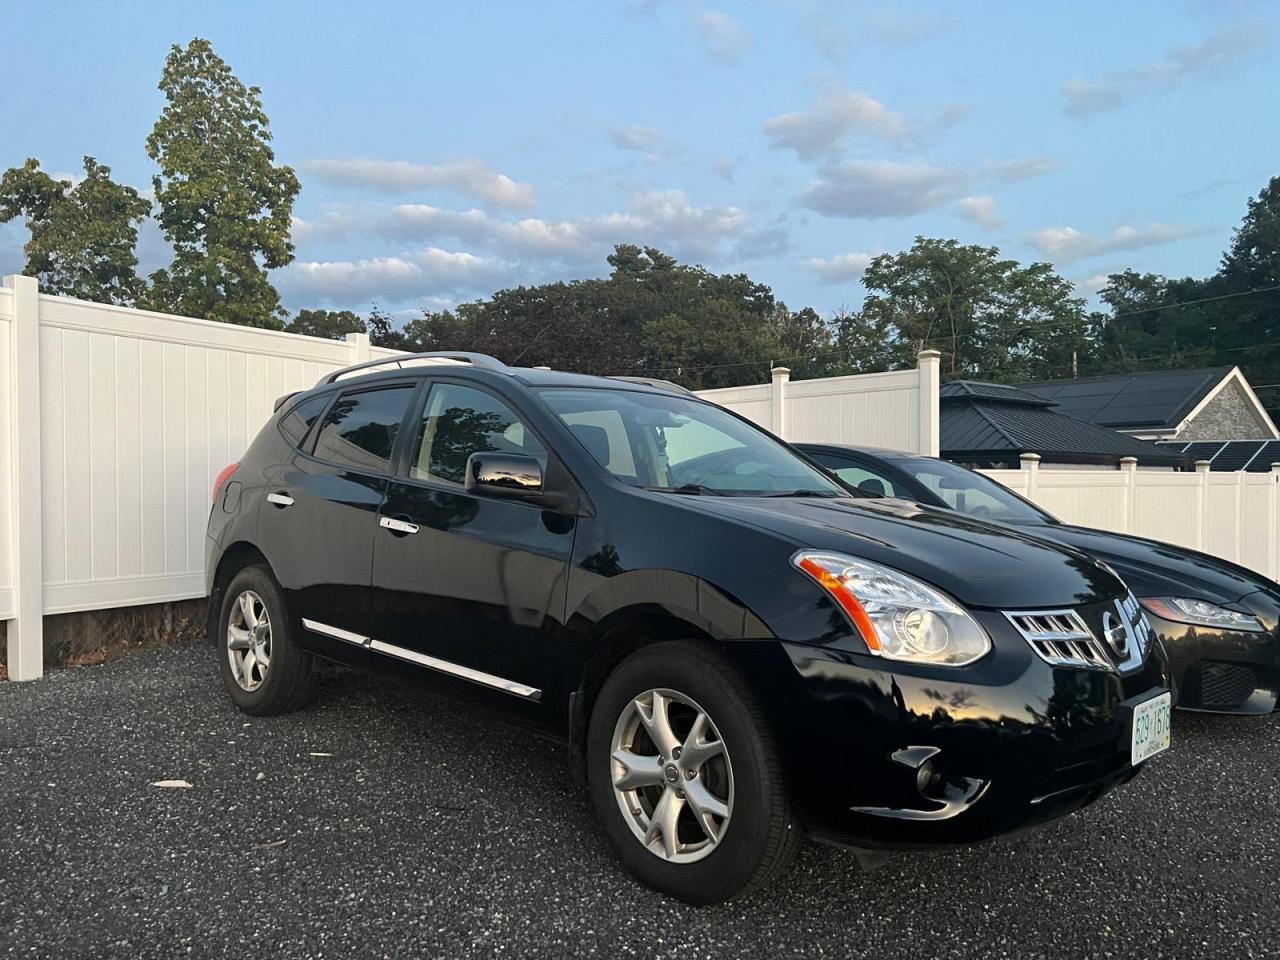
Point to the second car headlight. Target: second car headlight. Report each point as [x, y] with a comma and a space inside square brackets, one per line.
[1201, 613]
[898, 616]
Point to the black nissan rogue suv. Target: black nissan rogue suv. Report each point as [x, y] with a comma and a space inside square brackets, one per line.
[735, 658]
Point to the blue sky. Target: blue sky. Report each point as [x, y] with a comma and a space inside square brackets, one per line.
[446, 150]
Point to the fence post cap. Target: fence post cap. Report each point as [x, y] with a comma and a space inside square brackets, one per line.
[929, 355]
[1202, 466]
[779, 373]
[1128, 463]
[1029, 457]
[1275, 468]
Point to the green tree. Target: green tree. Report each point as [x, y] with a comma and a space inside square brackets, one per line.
[990, 317]
[224, 205]
[331, 324]
[82, 238]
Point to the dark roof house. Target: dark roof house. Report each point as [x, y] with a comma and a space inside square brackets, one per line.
[1214, 403]
[993, 424]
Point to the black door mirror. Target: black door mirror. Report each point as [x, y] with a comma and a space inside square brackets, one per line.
[504, 475]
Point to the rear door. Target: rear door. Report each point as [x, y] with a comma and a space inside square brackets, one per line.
[321, 514]
[469, 589]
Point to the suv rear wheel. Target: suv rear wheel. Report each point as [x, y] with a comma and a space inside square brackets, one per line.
[684, 775]
[262, 666]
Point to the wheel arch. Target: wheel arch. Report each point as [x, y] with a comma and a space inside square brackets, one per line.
[235, 558]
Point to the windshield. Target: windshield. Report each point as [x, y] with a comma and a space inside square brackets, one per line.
[971, 493]
[668, 442]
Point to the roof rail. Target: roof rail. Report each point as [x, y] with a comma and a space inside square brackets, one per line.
[655, 382]
[481, 360]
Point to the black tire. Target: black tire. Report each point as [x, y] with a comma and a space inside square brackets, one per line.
[290, 679]
[762, 834]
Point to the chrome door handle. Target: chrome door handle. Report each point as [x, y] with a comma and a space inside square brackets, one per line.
[397, 526]
[280, 499]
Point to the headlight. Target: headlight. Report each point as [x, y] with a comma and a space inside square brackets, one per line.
[1201, 614]
[898, 616]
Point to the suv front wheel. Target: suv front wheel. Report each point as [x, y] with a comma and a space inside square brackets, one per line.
[264, 670]
[685, 777]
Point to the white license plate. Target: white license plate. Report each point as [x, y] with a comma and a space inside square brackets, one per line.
[1150, 728]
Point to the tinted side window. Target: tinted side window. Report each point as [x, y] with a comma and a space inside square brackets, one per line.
[360, 428]
[858, 476]
[459, 421]
[295, 424]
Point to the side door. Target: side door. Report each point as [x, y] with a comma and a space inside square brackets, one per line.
[469, 588]
[320, 516]
[863, 474]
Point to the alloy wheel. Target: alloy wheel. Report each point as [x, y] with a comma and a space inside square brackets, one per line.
[671, 776]
[249, 640]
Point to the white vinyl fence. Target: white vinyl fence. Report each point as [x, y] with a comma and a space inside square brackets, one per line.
[897, 410]
[114, 422]
[1233, 515]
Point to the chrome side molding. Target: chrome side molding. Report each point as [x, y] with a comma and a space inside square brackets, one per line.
[466, 673]
[524, 691]
[315, 626]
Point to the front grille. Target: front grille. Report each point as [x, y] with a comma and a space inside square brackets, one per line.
[1226, 684]
[1060, 637]
[1119, 639]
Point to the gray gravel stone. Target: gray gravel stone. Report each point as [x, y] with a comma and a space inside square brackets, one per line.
[380, 823]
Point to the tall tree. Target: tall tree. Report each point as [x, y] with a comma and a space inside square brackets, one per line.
[224, 204]
[332, 324]
[989, 317]
[83, 238]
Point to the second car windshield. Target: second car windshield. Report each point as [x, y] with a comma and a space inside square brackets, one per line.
[971, 493]
[669, 442]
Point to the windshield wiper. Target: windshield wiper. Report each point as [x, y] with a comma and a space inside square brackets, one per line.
[801, 493]
[692, 489]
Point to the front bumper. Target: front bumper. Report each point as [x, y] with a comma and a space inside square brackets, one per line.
[883, 755]
[1221, 671]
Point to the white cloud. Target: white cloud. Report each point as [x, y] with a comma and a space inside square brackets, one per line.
[1067, 244]
[981, 210]
[885, 188]
[663, 218]
[470, 177]
[881, 188]
[836, 115]
[394, 279]
[1092, 284]
[1217, 51]
[721, 36]
[841, 268]
[640, 139]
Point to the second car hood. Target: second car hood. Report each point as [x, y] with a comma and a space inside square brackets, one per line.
[980, 564]
[1155, 569]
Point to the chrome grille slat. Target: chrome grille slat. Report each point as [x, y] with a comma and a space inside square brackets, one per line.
[1062, 638]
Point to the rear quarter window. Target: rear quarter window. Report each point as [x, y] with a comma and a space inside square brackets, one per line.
[298, 422]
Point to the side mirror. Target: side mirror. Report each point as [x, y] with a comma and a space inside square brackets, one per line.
[504, 475]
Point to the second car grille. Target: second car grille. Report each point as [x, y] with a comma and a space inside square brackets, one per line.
[1111, 635]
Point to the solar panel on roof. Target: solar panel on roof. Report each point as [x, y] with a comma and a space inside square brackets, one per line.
[1203, 449]
[1234, 455]
[1264, 458]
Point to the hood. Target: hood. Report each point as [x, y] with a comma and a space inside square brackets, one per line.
[1155, 569]
[980, 564]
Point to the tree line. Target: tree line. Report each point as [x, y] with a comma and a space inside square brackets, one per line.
[224, 206]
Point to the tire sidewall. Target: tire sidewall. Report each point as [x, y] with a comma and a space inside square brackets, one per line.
[735, 861]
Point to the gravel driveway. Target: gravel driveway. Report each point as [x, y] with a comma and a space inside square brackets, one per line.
[380, 823]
